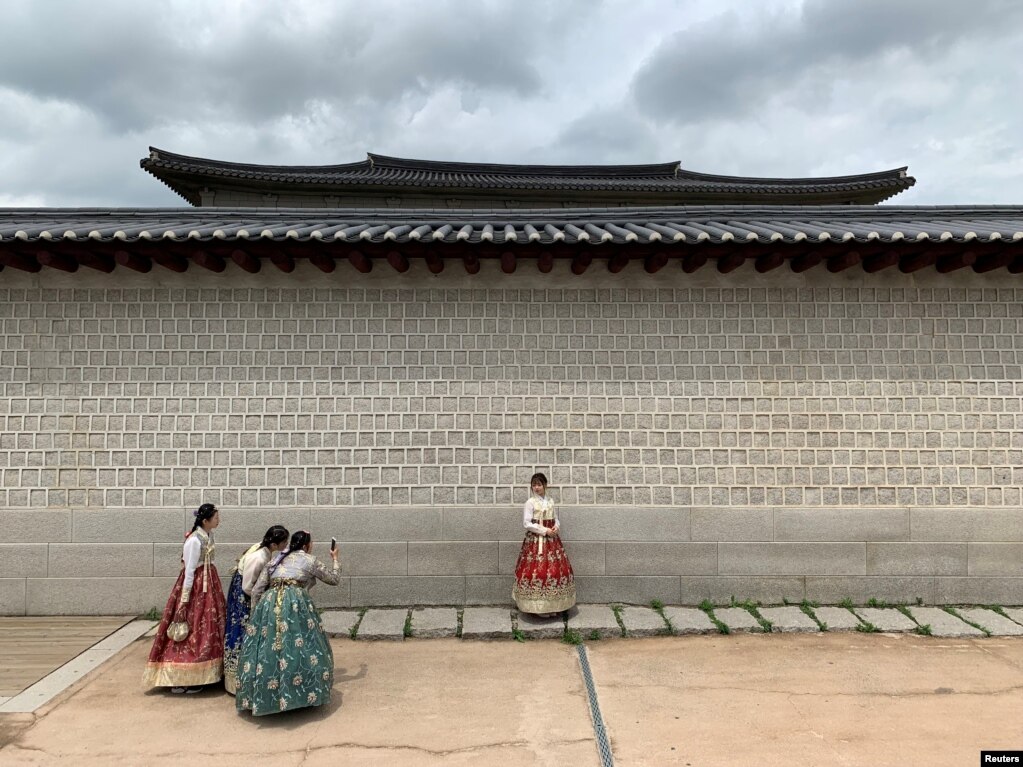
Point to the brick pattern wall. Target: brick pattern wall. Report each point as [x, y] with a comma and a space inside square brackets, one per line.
[396, 393]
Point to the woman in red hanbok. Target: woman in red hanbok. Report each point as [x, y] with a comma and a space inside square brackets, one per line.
[544, 583]
[191, 654]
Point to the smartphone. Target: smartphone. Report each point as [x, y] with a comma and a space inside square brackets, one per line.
[333, 544]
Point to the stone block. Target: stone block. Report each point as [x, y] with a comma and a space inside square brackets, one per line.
[97, 560]
[330, 597]
[791, 558]
[12, 596]
[628, 558]
[722, 523]
[900, 589]
[96, 596]
[593, 523]
[323, 524]
[995, 559]
[916, 559]
[967, 525]
[383, 624]
[942, 623]
[885, 618]
[250, 525]
[32, 526]
[364, 558]
[850, 524]
[721, 589]
[737, 619]
[486, 623]
[482, 524]
[837, 618]
[997, 624]
[488, 589]
[535, 627]
[630, 589]
[689, 620]
[27, 560]
[338, 623]
[453, 558]
[383, 591]
[129, 526]
[386, 524]
[643, 621]
[1015, 614]
[978, 591]
[789, 619]
[434, 622]
[587, 619]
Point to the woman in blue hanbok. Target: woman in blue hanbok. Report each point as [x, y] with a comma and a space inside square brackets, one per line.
[286, 661]
[243, 579]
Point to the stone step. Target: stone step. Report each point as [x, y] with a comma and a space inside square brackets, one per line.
[788, 619]
[942, 623]
[486, 623]
[535, 627]
[383, 624]
[586, 619]
[689, 620]
[885, 619]
[837, 618]
[997, 624]
[434, 622]
[338, 623]
[642, 622]
[737, 619]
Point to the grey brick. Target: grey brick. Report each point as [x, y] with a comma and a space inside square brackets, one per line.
[978, 590]
[688, 620]
[632, 589]
[916, 559]
[996, 559]
[329, 597]
[841, 524]
[942, 623]
[101, 559]
[385, 558]
[586, 619]
[488, 589]
[611, 524]
[383, 624]
[788, 619]
[482, 524]
[31, 526]
[486, 623]
[726, 524]
[23, 560]
[249, 525]
[96, 596]
[627, 558]
[970, 525]
[434, 622]
[129, 526]
[410, 590]
[12, 596]
[383, 524]
[885, 619]
[453, 558]
[791, 558]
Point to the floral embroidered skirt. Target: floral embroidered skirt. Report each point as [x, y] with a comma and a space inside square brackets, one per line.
[286, 661]
[237, 619]
[200, 658]
[544, 582]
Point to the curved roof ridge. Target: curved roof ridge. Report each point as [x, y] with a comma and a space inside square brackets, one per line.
[894, 174]
[156, 154]
[575, 171]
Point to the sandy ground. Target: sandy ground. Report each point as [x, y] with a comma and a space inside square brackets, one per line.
[843, 699]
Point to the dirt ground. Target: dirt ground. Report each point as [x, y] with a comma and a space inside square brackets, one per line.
[843, 699]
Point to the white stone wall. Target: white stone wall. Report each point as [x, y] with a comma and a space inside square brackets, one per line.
[840, 399]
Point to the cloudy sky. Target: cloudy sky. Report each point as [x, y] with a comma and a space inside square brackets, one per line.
[745, 87]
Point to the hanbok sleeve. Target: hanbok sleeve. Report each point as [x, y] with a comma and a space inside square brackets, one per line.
[262, 581]
[250, 570]
[329, 575]
[527, 519]
[557, 520]
[190, 556]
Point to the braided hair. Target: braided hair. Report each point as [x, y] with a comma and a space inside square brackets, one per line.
[276, 534]
[299, 540]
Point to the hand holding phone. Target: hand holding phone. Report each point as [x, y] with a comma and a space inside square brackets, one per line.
[333, 544]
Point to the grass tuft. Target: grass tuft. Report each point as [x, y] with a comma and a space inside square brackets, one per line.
[572, 637]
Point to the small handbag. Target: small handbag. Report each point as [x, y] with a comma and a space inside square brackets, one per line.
[178, 631]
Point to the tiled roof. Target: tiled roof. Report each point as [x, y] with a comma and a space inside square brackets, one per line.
[186, 174]
[590, 226]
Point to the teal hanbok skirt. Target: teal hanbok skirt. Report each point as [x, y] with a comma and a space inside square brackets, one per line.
[286, 661]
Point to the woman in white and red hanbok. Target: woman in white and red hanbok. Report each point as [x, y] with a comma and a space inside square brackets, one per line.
[544, 583]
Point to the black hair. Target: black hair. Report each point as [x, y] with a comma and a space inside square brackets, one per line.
[538, 477]
[203, 513]
[275, 534]
[299, 540]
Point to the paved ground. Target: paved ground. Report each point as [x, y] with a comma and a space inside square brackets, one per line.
[845, 698]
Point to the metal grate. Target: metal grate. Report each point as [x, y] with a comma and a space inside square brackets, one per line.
[603, 746]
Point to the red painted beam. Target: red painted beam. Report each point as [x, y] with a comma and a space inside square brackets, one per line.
[769, 261]
[508, 262]
[914, 262]
[693, 261]
[581, 262]
[398, 262]
[60, 261]
[134, 261]
[655, 262]
[805, 261]
[245, 260]
[173, 261]
[950, 263]
[322, 261]
[879, 261]
[992, 261]
[22, 261]
[434, 262]
[208, 260]
[282, 261]
[844, 261]
[730, 262]
[545, 262]
[471, 262]
[618, 261]
[360, 261]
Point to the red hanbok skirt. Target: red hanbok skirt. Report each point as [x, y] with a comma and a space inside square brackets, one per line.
[200, 658]
[544, 582]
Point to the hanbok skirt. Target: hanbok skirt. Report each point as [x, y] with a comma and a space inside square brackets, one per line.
[237, 619]
[544, 582]
[199, 659]
[286, 660]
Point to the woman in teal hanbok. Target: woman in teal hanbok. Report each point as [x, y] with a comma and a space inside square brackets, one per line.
[286, 661]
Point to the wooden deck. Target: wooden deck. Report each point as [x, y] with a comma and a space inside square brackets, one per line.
[33, 647]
